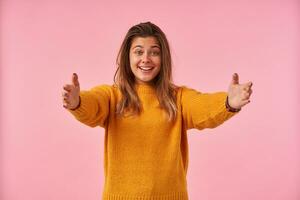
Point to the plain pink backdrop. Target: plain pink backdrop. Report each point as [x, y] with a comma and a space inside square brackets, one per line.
[47, 154]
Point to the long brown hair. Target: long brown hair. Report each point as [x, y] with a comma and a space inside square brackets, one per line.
[125, 79]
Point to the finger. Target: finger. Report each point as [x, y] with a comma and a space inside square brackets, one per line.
[245, 102]
[250, 91]
[65, 94]
[75, 80]
[66, 101]
[246, 96]
[68, 87]
[66, 97]
[246, 88]
[66, 106]
[250, 84]
[235, 79]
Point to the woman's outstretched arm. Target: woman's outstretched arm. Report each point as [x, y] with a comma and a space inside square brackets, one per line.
[209, 110]
[90, 107]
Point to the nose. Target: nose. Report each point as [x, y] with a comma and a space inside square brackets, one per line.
[145, 58]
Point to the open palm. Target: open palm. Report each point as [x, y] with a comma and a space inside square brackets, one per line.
[239, 94]
[70, 94]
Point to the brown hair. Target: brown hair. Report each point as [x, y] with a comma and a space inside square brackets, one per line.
[125, 79]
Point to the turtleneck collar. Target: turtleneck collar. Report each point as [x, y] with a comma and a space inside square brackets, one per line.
[145, 88]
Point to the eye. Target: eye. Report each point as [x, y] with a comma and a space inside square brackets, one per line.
[139, 52]
[156, 53]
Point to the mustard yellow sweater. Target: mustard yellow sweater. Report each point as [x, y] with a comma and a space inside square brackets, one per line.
[146, 157]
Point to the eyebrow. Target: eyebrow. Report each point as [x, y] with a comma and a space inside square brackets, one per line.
[143, 47]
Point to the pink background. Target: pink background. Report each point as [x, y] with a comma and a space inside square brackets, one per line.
[46, 154]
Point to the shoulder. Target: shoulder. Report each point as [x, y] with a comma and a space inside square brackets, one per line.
[184, 90]
[104, 89]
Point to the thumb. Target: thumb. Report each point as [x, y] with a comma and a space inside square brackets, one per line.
[235, 79]
[75, 80]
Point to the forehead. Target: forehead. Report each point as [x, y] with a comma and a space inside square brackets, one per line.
[145, 42]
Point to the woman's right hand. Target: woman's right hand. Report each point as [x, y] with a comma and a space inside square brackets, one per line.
[70, 94]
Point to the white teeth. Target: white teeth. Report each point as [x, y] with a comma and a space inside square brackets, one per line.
[146, 69]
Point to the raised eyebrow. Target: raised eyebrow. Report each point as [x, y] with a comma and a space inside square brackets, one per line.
[137, 46]
[154, 46]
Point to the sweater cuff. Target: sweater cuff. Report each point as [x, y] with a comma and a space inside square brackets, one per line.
[82, 107]
[224, 108]
[229, 108]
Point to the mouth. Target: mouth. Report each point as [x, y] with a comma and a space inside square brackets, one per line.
[146, 69]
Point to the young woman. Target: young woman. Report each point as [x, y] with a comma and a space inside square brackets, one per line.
[146, 118]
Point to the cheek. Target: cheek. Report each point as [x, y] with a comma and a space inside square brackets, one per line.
[133, 60]
[158, 60]
[158, 63]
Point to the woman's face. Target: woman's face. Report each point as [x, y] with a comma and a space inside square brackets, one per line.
[145, 58]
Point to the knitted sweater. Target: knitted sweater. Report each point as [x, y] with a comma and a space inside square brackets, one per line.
[146, 156]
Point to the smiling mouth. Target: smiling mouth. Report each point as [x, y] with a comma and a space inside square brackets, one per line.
[146, 69]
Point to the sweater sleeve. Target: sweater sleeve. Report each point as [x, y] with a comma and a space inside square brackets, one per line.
[94, 107]
[203, 110]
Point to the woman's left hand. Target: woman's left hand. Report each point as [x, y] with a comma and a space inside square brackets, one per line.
[239, 94]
